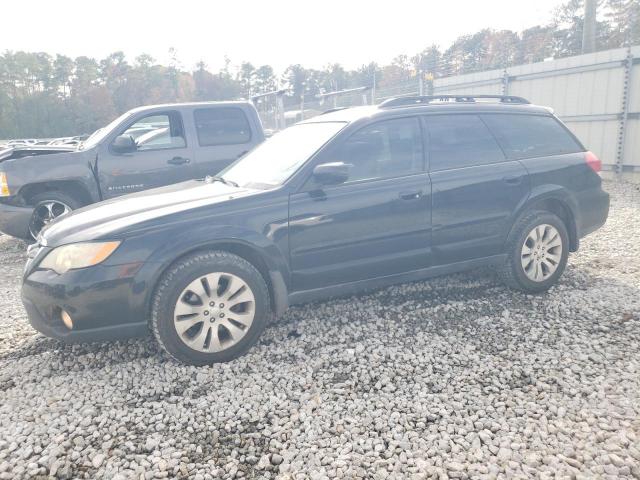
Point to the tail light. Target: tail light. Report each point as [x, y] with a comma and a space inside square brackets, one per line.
[593, 161]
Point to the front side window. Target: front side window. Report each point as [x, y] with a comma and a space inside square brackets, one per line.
[391, 148]
[221, 126]
[527, 136]
[460, 140]
[157, 131]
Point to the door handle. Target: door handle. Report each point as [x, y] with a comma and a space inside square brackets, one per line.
[512, 179]
[178, 161]
[411, 195]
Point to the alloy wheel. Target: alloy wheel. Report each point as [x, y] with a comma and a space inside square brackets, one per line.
[541, 252]
[44, 213]
[214, 312]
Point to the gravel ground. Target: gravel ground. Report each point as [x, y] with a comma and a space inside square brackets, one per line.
[456, 377]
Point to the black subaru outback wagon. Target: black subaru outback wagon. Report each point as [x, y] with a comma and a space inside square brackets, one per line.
[349, 200]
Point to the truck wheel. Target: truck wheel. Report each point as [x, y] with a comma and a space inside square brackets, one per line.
[537, 251]
[47, 207]
[210, 307]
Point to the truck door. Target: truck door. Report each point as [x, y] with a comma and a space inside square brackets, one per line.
[161, 156]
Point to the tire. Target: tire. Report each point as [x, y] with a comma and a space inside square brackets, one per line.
[513, 272]
[51, 204]
[182, 299]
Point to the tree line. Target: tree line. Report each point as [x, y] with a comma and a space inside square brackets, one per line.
[48, 96]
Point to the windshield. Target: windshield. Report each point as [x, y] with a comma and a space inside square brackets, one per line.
[97, 136]
[275, 160]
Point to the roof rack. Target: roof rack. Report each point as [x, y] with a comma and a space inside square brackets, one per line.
[427, 99]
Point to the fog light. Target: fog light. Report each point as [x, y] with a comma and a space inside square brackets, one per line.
[66, 319]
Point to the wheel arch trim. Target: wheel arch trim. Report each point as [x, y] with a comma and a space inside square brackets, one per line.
[272, 268]
[550, 198]
[72, 187]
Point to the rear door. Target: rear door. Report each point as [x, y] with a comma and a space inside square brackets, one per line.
[162, 156]
[375, 224]
[475, 188]
[224, 133]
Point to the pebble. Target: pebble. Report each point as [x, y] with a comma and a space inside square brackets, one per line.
[455, 377]
[97, 460]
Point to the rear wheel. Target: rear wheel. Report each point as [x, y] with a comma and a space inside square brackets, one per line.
[47, 207]
[210, 307]
[537, 252]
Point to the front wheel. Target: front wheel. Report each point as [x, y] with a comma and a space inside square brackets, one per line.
[210, 307]
[537, 252]
[47, 207]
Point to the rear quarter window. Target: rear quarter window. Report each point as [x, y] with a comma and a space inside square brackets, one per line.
[221, 126]
[527, 136]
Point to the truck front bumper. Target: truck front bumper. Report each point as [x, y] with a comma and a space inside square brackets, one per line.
[15, 220]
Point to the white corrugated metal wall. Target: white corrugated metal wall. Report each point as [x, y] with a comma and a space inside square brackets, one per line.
[596, 95]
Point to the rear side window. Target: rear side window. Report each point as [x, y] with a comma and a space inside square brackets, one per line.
[457, 141]
[526, 136]
[221, 126]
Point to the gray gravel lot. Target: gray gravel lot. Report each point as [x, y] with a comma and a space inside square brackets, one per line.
[456, 377]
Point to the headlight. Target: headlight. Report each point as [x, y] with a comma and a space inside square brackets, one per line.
[77, 255]
[4, 186]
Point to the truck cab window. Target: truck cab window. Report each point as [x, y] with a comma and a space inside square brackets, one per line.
[221, 126]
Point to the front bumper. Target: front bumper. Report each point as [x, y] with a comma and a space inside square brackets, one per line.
[101, 300]
[14, 220]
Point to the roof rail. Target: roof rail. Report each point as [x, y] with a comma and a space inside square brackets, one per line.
[427, 99]
[331, 110]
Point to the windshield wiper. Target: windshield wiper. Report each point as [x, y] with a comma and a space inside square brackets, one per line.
[214, 178]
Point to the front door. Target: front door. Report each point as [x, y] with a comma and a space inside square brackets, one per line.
[161, 157]
[377, 223]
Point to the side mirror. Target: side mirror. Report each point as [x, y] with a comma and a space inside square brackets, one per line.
[124, 144]
[333, 173]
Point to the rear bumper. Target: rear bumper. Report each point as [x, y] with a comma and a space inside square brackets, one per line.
[594, 213]
[14, 220]
[101, 301]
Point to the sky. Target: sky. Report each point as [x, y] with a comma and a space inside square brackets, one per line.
[276, 32]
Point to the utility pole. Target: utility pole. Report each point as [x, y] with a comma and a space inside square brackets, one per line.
[373, 88]
[373, 84]
[304, 84]
[589, 27]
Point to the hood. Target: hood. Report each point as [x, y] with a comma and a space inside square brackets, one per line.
[110, 217]
[10, 153]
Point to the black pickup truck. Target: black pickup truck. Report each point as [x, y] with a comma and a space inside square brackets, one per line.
[144, 148]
